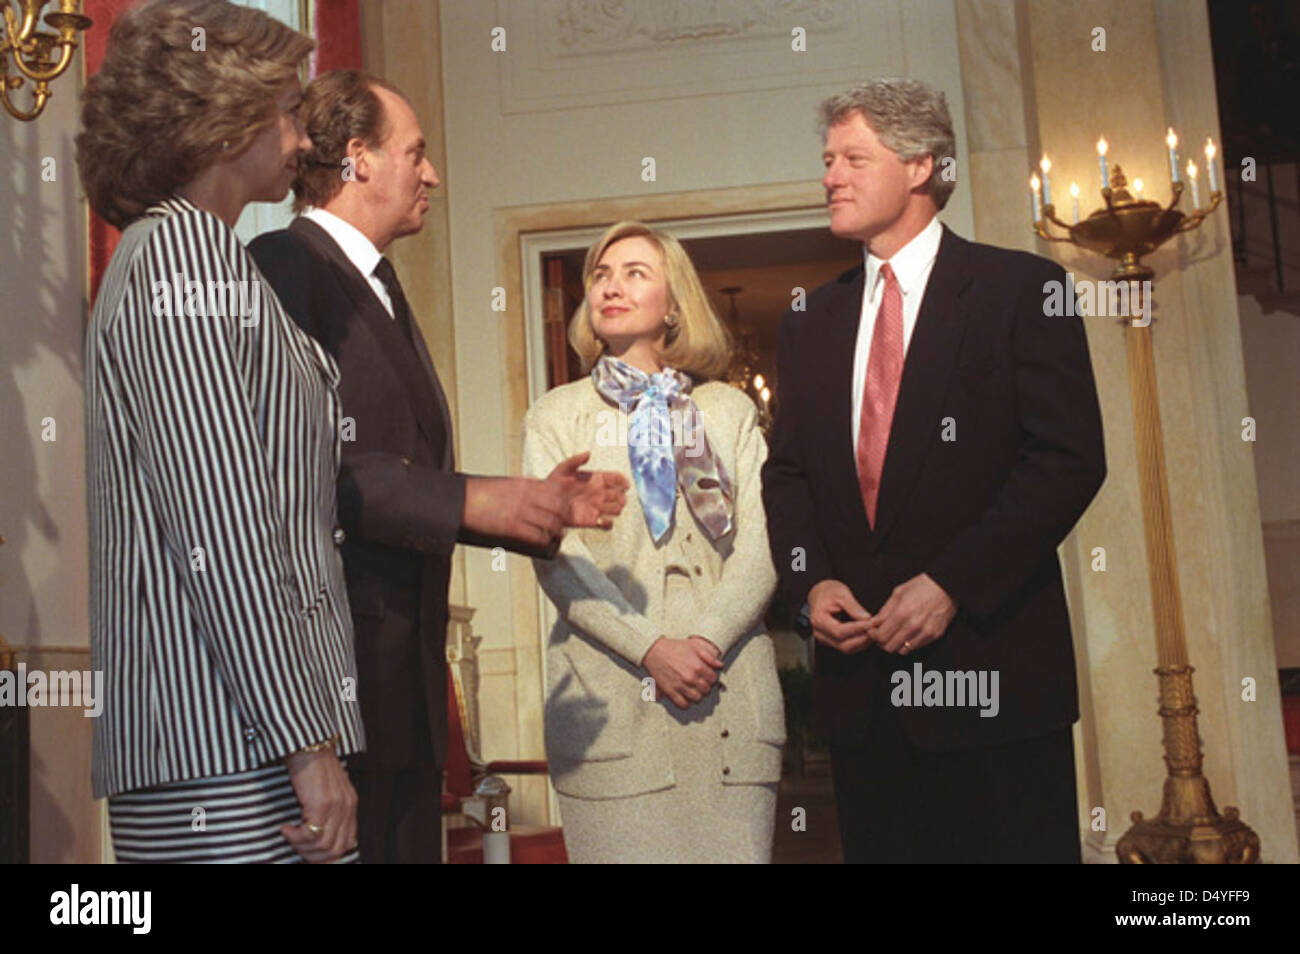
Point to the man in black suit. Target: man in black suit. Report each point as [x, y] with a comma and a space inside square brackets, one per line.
[402, 506]
[937, 436]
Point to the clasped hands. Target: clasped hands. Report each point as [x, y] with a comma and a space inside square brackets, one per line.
[916, 614]
[684, 670]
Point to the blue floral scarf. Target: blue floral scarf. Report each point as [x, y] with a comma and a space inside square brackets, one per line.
[666, 445]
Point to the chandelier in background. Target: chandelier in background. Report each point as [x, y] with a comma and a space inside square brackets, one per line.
[743, 372]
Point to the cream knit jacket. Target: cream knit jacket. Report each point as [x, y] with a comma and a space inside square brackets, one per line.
[603, 738]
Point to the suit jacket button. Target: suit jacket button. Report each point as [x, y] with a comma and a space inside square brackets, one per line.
[339, 536]
[697, 571]
[406, 462]
[726, 733]
[250, 733]
[726, 770]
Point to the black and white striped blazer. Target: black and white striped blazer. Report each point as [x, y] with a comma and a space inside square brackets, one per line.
[218, 611]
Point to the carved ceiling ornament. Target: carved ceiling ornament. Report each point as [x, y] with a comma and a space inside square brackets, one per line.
[581, 26]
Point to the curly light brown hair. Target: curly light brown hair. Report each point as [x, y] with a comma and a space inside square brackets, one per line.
[184, 83]
[697, 344]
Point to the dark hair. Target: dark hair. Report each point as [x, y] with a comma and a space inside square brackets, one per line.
[184, 83]
[337, 107]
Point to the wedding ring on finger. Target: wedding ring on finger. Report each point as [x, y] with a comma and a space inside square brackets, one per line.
[313, 827]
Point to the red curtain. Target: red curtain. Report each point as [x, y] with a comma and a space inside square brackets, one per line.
[338, 46]
[338, 35]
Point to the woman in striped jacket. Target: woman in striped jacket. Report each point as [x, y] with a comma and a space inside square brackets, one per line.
[218, 610]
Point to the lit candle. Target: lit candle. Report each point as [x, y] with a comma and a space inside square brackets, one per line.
[1034, 187]
[1191, 180]
[758, 382]
[1046, 164]
[766, 395]
[1210, 169]
[1137, 188]
[1101, 160]
[1074, 195]
[1171, 140]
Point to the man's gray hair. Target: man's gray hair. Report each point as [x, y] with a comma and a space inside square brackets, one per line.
[910, 117]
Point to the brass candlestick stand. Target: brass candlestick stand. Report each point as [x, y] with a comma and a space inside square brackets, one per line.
[1188, 828]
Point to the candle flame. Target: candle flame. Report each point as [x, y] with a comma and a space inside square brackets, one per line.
[758, 381]
[767, 395]
[1171, 140]
[1137, 186]
[1102, 146]
[1191, 169]
[1209, 150]
[1034, 183]
[1045, 164]
[1074, 189]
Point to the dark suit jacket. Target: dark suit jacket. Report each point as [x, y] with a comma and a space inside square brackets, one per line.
[981, 514]
[400, 498]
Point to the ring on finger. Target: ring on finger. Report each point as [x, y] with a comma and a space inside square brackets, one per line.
[313, 827]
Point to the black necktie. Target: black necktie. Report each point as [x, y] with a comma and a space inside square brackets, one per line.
[402, 314]
[401, 310]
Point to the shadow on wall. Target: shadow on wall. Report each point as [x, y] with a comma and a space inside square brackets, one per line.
[45, 232]
[43, 587]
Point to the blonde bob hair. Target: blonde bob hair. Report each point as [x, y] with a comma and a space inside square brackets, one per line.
[184, 83]
[698, 344]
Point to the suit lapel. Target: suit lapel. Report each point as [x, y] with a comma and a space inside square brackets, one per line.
[413, 365]
[834, 372]
[931, 357]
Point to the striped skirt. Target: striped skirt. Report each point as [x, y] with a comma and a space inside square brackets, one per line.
[226, 819]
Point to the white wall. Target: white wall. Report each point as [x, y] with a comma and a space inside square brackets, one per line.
[43, 563]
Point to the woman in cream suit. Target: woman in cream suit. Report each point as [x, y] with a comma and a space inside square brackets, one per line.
[664, 718]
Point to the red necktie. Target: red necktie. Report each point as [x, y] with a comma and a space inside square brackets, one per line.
[880, 391]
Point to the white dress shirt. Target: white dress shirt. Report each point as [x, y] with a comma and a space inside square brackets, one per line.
[911, 265]
[361, 252]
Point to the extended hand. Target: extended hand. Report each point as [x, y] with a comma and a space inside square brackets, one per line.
[328, 802]
[591, 498]
[825, 600]
[917, 613]
[684, 670]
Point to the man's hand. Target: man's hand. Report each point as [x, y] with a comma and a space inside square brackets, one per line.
[537, 511]
[329, 803]
[592, 498]
[916, 614]
[825, 600]
[684, 670]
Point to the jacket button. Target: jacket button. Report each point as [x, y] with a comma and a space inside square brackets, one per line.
[726, 733]
[339, 536]
[250, 733]
[726, 770]
[406, 462]
[697, 571]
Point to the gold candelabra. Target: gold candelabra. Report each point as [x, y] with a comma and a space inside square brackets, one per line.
[32, 50]
[1189, 829]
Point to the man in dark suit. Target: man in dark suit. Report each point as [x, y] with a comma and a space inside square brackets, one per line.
[937, 436]
[402, 506]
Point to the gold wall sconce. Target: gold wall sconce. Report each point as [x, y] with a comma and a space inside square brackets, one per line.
[30, 54]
